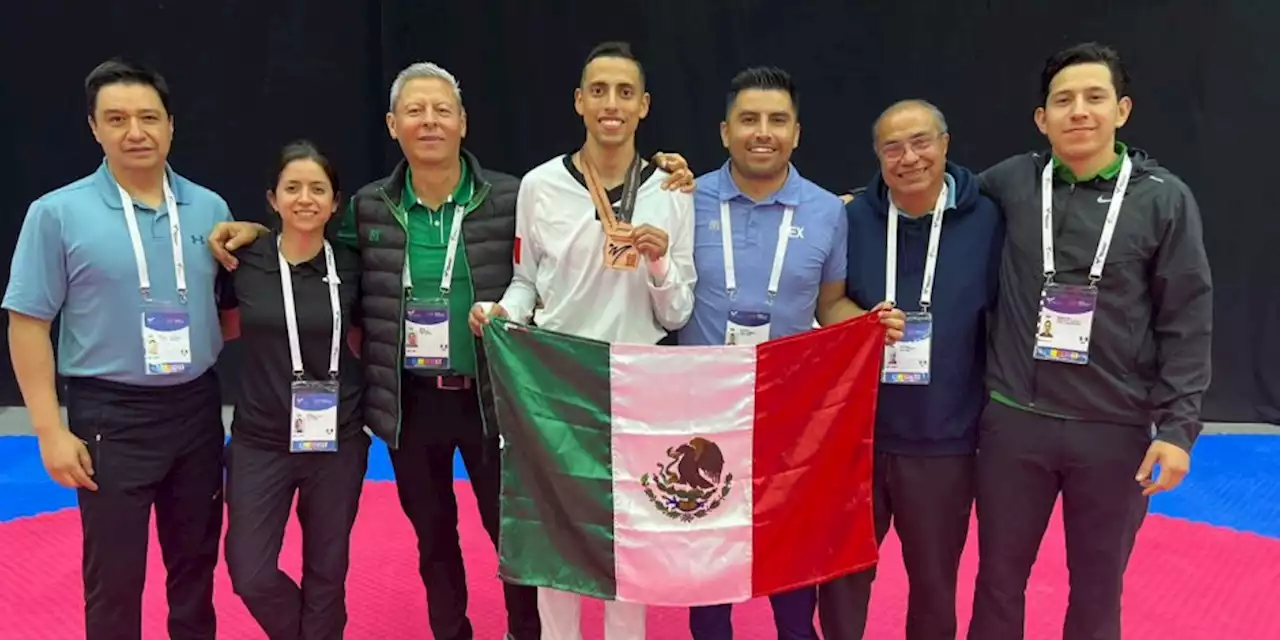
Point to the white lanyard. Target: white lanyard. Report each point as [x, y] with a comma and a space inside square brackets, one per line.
[930, 259]
[1108, 227]
[291, 314]
[779, 253]
[450, 253]
[175, 239]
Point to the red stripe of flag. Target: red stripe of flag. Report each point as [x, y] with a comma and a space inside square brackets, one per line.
[813, 454]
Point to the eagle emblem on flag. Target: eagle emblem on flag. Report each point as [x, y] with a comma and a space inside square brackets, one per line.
[691, 483]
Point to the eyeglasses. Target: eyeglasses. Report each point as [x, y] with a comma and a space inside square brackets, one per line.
[918, 144]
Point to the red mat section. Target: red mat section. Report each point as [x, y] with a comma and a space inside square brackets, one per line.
[1187, 581]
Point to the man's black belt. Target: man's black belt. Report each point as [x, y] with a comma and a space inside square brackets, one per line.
[444, 383]
[453, 383]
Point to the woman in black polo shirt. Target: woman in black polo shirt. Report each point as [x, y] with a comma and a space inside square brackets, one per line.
[297, 429]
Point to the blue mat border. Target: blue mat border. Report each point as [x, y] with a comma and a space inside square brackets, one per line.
[1233, 483]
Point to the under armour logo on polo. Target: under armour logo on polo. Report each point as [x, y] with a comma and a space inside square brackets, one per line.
[197, 239]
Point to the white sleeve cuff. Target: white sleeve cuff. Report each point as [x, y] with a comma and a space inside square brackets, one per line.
[659, 270]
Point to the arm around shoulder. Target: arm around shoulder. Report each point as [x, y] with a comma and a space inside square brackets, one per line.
[997, 180]
[228, 304]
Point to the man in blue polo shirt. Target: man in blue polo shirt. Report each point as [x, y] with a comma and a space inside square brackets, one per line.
[120, 257]
[924, 237]
[769, 248]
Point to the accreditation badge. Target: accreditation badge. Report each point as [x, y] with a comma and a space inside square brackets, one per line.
[426, 334]
[747, 328]
[166, 339]
[314, 420]
[1065, 323]
[907, 361]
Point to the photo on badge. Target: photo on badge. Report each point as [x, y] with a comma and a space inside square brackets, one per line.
[1065, 323]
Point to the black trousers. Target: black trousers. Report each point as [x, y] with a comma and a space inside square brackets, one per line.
[1024, 461]
[435, 422]
[151, 447]
[261, 485]
[928, 501]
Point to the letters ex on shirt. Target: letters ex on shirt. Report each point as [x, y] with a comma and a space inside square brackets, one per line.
[907, 361]
[762, 261]
[1065, 321]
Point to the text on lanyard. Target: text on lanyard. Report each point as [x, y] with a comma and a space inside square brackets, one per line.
[779, 253]
[450, 253]
[931, 256]
[1108, 227]
[175, 240]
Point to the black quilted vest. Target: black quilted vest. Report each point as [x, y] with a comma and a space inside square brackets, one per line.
[488, 232]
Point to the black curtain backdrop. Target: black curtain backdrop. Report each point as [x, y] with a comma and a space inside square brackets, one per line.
[248, 76]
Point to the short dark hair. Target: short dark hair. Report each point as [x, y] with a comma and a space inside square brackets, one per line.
[613, 49]
[1085, 53]
[123, 71]
[766, 78]
[307, 150]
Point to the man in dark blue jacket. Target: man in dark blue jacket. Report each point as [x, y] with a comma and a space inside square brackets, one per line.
[921, 235]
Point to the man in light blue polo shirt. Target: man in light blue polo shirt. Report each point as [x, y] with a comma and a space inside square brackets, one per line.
[120, 258]
[769, 248]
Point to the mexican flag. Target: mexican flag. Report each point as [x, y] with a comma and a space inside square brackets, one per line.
[685, 476]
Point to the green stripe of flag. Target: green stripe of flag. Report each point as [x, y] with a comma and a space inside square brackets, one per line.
[553, 403]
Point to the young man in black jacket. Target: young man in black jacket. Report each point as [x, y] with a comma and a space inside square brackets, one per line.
[1098, 353]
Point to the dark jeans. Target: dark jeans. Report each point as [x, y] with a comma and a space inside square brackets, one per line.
[792, 614]
[435, 422]
[261, 485]
[151, 447]
[928, 501]
[1024, 461]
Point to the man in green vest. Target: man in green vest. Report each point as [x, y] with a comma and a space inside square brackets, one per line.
[435, 236]
[1105, 247]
